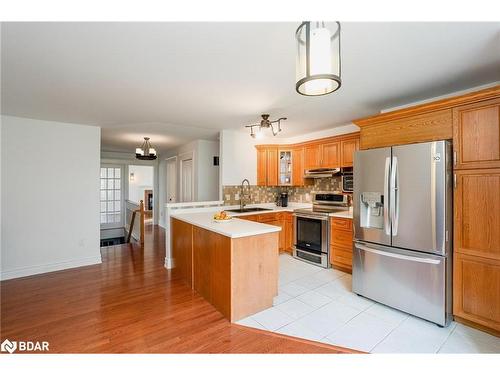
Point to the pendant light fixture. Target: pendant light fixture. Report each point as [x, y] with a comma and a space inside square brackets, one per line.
[146, 151]
[265, 123]
[318, 58]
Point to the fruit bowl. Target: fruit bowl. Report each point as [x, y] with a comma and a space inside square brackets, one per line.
[222, 217]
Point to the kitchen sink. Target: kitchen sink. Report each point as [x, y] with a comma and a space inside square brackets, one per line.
[249, 209]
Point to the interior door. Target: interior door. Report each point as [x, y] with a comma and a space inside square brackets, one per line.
[371, 195]
[172, 180]
[111, 196]
[421, 193]
[187, 180]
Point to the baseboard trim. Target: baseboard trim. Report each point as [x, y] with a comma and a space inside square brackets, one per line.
[478, 326]
[44, 268]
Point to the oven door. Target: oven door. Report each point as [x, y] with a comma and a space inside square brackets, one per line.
[311, 233]
[311, 239]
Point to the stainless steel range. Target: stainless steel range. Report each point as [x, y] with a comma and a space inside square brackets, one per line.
[312, 228]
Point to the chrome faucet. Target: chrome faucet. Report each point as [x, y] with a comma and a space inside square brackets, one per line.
[244, 196]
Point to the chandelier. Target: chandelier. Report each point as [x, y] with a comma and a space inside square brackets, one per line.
[146, 151]
[265, 123]
[318, 58]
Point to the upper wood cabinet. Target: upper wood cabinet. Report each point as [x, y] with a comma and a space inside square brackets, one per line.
[476, 135]
[267, 166]
[424, 127]
[347, 149]
[312, 156]
[464, 118]
[333, 152]
[272, 166]
[330, 153]
[298, 166]
[261, 166]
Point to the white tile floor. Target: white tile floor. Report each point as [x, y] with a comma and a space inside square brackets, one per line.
[317, 304]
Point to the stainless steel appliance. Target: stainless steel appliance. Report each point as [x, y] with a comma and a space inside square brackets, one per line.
[403, 228]
[312, 228]
[321, 172]
[347, 180]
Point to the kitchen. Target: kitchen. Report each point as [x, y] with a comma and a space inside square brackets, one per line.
[366, 240]
[355, 211]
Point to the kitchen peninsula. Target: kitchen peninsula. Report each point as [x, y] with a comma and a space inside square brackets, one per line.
[233, 265]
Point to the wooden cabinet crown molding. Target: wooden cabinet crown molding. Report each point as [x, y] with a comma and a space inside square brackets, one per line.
[313, 142]
[447, 103]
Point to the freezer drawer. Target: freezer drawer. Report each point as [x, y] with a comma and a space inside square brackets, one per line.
[406, 280]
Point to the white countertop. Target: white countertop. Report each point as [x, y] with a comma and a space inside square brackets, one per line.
[234, 228]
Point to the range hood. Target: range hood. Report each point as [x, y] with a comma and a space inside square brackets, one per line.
[321, 172]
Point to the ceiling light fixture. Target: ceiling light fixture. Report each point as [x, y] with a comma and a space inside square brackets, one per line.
[265, 123]
[146, 151]
[318, 58]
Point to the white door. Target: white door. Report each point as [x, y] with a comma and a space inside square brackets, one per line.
[187, 186]
[172, 180]
[111, 196]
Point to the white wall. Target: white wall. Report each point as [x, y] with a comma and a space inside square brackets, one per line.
[49, 196]
[206, 175]
[239, 157]
[143, 180]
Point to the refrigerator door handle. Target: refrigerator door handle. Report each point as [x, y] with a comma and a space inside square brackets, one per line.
[397, 256]
[394, 195]
[387, 223]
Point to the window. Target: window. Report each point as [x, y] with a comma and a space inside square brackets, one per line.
[111, 196]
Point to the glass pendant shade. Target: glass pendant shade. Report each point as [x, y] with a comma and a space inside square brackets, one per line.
[318, 58]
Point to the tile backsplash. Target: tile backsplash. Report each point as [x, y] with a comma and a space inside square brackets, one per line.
[267, 194]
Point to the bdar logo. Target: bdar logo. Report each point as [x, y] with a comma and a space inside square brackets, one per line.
[8, 346]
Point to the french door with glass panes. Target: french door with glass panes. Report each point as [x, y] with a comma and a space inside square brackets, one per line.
[111, 196]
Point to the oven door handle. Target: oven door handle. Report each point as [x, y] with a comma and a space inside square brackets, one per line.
[323, 218]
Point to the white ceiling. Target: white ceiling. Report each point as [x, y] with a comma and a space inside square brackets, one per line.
[176, 82]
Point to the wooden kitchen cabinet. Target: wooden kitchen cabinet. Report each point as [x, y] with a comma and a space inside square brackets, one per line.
[262, 166]
[476, 135]
[332, 152]
[298, 166]
[272, 167]
[477, 213]
[476, 287]
[476, 296]
[279, 219]
[341, 235]
[312, 156]
[330, 155]
[347, 149]
[182, 250]
[267, 166]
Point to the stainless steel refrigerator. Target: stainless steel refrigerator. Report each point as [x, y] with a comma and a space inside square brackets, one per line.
[403, 228]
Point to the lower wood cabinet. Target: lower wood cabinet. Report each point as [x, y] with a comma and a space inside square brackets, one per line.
[476, 288]
[341, 243]
[476, 269]
[182, 245]
[279, 219]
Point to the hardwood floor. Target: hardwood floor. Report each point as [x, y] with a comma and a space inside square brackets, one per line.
[129, 304]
